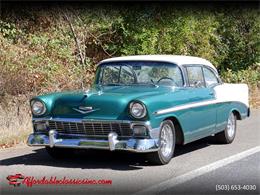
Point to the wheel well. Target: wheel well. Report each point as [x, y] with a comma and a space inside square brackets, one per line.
[237, 114]
[178, 130]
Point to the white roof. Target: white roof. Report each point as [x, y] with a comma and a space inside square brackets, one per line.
[176, 59]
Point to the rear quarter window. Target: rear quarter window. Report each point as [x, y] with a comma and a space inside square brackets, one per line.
[195, 76]
[210, 77]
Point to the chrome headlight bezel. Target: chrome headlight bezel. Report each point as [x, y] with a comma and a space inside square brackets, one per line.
[38, 105]
[137, 105]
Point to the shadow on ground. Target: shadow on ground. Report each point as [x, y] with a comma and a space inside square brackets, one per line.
[95, 159]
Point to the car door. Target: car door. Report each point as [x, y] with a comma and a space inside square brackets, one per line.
[211, 81]
[201, 113]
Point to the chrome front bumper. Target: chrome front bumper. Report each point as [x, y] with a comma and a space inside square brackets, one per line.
[56, 140]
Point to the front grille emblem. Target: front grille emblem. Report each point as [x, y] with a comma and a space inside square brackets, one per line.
[85, 109]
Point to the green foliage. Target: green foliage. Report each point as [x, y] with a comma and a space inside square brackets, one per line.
[9, 30]
[39, 51]
[239, 39]
[250, 76]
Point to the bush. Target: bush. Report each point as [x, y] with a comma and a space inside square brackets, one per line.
[250, 76]
[57, 48]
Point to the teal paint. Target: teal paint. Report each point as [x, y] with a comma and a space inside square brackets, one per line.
[112, 103]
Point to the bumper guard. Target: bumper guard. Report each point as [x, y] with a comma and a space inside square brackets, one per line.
[56, 140]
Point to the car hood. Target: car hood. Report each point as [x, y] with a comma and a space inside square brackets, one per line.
[101, 103]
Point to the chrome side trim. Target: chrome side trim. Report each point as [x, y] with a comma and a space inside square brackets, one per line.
[186, 106]
[192, 105]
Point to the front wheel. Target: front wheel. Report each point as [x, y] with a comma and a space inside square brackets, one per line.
[167, 144]
[228, 135]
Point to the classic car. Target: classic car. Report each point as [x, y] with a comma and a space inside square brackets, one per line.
[145, 104]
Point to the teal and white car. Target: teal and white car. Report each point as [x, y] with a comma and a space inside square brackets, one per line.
[142, 104]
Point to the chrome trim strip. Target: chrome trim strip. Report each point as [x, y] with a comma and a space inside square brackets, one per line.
[84, 136]
[41, 119]
[86, 120]
[132, 123]
[191, 105]
[186, 106]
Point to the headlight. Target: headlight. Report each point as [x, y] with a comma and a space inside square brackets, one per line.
[137, 110]
[38, 108]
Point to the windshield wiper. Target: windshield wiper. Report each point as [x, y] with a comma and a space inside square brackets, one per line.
[113, 84]
[153, 83]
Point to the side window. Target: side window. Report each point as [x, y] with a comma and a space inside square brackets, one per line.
[210, 77]
[195, 76]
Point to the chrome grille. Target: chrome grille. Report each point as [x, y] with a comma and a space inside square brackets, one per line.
[90, 128]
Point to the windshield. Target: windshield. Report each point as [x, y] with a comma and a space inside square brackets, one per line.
[139, 73]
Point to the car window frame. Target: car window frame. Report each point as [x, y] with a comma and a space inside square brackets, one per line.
[215, 75]
[187, 75]
[100, 73]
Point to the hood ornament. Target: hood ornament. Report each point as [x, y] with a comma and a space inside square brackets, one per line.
[86, 93]
[85, 109]
[100, 92]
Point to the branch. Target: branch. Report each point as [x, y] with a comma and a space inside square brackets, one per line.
[98, 40]
[81, 55]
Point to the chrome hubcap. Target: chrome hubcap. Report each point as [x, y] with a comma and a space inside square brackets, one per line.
[166, 139]
[231, 125]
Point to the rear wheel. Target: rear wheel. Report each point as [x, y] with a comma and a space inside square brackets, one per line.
[228, 135]
[166, 143]
[59, 153]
